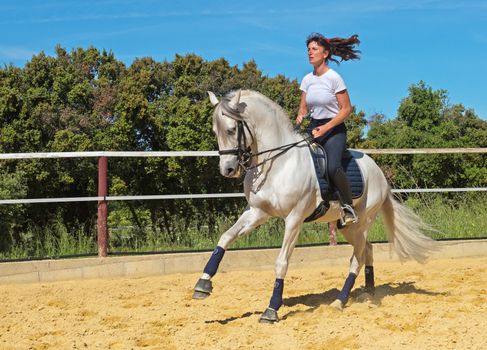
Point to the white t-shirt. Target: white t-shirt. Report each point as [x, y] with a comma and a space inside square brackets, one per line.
[321, 93]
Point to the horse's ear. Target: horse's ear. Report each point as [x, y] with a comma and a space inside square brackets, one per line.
[235, 100]
[213, 99]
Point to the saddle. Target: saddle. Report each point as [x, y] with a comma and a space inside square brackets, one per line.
[327, 190]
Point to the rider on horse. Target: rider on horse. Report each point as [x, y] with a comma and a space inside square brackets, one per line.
[325, 98]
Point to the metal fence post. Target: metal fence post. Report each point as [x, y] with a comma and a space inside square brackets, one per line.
[102, 206]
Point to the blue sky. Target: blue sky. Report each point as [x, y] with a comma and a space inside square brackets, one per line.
[443, 42]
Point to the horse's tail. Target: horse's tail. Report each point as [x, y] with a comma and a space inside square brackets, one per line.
[405, 231]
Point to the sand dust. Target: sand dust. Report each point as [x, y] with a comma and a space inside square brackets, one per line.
[440, 305]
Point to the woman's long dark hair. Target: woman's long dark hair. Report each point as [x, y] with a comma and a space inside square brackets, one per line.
[339, 47]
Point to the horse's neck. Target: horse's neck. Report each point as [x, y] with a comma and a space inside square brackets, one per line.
[272, 131]
[272, 139]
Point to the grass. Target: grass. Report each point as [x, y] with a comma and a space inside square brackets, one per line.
[453, 216]
[51, 242]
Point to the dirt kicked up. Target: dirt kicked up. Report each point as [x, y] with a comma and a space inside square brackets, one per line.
[440, 305]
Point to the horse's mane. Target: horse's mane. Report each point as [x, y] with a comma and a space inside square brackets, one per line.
[276, 110]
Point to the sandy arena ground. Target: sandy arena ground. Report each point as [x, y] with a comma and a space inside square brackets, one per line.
[440, 305]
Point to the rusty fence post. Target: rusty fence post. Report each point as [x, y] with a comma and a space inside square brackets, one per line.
[102, 207]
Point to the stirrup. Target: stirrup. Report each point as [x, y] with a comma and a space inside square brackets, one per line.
[348, 215]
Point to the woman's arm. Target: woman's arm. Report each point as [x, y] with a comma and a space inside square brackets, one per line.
[303, 108]
[345, 110]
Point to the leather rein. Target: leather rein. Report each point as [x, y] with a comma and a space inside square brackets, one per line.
[244, 152]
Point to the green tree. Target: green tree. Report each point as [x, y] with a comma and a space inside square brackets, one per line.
[356, 124]
[425, 120]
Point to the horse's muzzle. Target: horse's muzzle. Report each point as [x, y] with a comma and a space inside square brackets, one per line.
[231, 172]
[230, 167]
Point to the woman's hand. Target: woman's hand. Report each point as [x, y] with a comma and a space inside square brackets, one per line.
[319, 131]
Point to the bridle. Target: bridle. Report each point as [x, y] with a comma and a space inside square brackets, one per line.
[243, 150]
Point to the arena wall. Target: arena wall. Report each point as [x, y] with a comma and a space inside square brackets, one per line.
[252, 259]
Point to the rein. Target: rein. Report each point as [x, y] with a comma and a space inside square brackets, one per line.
[244, 152]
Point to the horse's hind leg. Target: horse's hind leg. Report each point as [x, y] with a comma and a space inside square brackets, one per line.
[357, 238]
[251, 218]
[369, 269]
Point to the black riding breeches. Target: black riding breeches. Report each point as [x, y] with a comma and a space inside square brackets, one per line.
[334, 142]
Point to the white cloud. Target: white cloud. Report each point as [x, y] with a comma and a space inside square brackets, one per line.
[16, 53]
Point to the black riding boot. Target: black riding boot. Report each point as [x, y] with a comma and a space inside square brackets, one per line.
[345, 196]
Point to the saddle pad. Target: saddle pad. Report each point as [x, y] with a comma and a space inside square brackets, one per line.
[350, 167]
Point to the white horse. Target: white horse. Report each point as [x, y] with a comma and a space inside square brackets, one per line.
[282, 183]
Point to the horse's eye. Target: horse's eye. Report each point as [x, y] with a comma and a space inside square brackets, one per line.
[231, 131]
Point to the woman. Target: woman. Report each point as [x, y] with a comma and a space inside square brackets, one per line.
[325, 97]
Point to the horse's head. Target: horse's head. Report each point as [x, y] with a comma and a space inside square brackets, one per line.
[232, 132]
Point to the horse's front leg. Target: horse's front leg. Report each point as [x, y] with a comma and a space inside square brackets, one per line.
[251, 218]
[293, 226]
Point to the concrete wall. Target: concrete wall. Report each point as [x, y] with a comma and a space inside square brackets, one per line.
[258, 259]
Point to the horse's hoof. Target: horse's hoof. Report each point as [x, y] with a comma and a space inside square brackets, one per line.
[364, 297]
[269, 316]
[202, 289]
[337, 305]
[200, 295]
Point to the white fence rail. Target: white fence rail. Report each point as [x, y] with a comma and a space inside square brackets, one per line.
[110, 154]
[203, 196]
